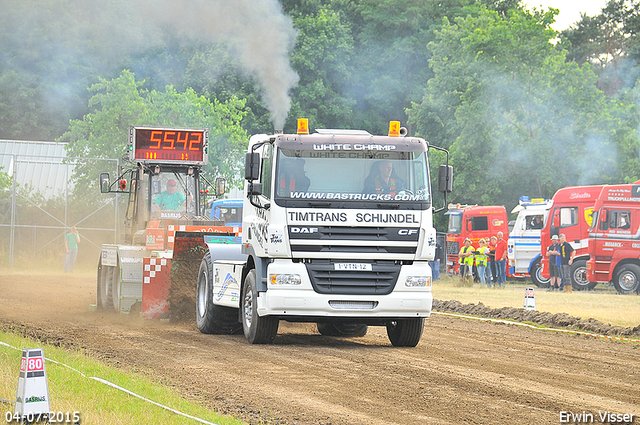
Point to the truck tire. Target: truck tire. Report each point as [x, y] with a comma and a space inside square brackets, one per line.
[257, 330]
[99, 285]
[405, 332]
[579, 276]
[536, 275]
[627, 279]
[354, 330]
[212, 318]
[106, 286]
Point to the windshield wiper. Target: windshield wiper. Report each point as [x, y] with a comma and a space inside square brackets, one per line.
[320, 204]
[389, 206]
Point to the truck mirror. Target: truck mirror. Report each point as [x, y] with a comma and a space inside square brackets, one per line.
[556, 221]
[445, 178]
[104, 182]
[221, 186]
[252, 166]
[255, 189]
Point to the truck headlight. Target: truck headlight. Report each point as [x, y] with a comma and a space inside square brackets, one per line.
[285, 279]
[418, 281]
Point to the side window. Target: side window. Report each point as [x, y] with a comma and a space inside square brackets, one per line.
[534, 222]
[479, 223]
[604, 221]
[620, 219]
[568, 216]
[266, 170]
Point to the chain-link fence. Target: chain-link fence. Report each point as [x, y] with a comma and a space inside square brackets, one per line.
[36, 216]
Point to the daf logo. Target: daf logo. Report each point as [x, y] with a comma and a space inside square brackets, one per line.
[306, 230]
[407, 232]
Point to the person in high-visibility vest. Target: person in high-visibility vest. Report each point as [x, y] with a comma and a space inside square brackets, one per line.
[466, 256]
[482, 256]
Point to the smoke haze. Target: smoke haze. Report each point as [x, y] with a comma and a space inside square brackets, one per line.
[257, 32]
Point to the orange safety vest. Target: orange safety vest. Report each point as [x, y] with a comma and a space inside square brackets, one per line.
[392, 186]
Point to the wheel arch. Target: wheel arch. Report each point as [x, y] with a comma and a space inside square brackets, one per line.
[622, 263]
[584, 257]
[538, 257]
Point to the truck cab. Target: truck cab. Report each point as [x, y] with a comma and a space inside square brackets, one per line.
[473, 222]
[614, 238]
[337, 230]
[228, 211]
[571, 214]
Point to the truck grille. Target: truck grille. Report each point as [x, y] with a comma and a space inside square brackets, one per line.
[317, 241]
[453, 248]
[379, 281]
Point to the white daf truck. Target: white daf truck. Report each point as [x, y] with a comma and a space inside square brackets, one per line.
[337, 230]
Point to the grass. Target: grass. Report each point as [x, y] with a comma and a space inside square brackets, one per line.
[97, 403]
[603, 303]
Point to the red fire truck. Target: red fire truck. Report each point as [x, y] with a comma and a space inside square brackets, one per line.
[614, 238]
[473, 222]
[570, 215]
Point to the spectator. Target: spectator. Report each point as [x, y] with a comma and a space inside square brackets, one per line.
[566, 255]
[492, 260]
[553, 252]
[466, 261]
[501, 260]
[435, 264]
[481, 262]
[71, 241]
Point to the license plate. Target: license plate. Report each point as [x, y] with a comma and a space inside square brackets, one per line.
[352, 266]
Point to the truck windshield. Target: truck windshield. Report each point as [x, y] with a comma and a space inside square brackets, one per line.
[172, 195]
[230, 214]
[305, 176]
[455, 223]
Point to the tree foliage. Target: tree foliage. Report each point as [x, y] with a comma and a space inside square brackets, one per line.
[521, 113]
[518, 119]
[609, 43]
[122, 102]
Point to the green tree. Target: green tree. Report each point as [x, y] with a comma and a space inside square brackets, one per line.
[517, 118]
[322, 59]
[609, 43]
[122, 102]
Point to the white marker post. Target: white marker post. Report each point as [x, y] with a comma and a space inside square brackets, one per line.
[33, 391]
[529, 299]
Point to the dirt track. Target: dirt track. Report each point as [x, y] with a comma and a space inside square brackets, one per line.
[463, 371]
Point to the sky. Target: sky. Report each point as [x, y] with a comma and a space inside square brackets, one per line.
[569, 9]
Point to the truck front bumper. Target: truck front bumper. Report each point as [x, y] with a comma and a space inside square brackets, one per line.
[302, 301]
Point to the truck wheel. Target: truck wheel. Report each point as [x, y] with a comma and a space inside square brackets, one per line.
[536, 275]
[405, 332]
[354, 330]
[257, 330]
[579, 276]
[114, 284]
[211, 318]
[99, 286]
[105, 287]
[627, 279]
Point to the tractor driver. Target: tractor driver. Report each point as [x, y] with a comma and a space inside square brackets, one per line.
[169, 199]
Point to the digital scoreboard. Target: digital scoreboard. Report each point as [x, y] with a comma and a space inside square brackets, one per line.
[169, 145]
